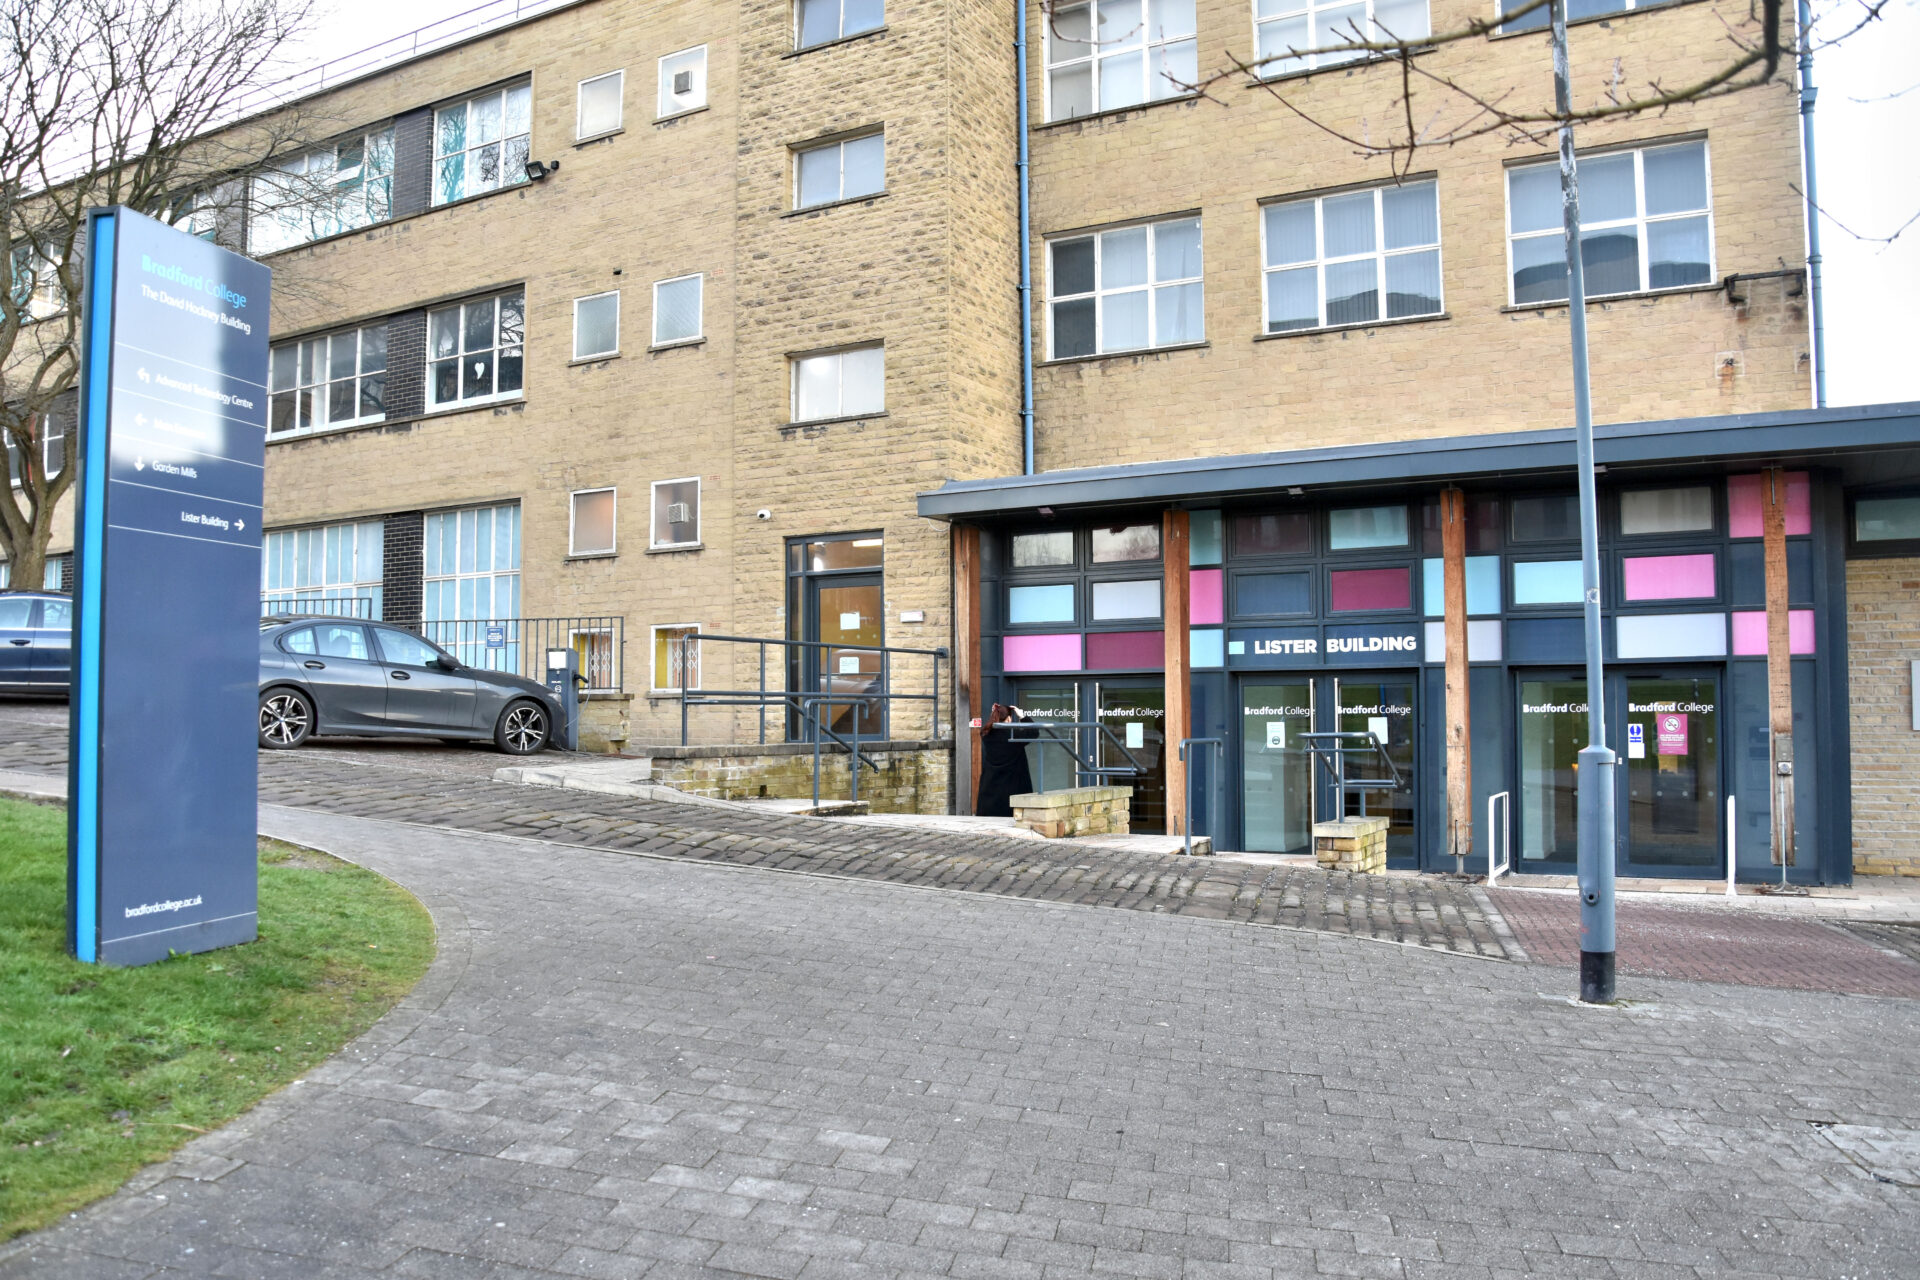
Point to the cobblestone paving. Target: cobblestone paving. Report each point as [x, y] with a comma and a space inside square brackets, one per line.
[629, 1067]
[1721, 944]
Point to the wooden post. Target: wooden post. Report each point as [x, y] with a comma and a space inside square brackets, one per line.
[1773, 499]
[1453, 547]
[1179, 672]
[966, 665]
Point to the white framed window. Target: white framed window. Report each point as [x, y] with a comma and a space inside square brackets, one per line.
[470, 565]
[839, 384]
[594, 647]
[476, 350]
[683, 81]
[676, 513]
[1353, 258]
[824, 21]
[1540, 17]
[1300, 35]
[34, 281]
[591, 522]
[1128, 289]
[335, 380]
[482, 144]
[323, 192]
[671, 653]
[596, 325]
[1645, 224]
[335, 568]
[676, 309]
[193, 213]
[600, 105]
[1107, 54]
[844, 170]
[52, 430]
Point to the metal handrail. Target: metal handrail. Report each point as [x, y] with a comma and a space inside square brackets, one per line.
[763, 697]
[1186, 823]
[1499, 835]
[1086, 767]
[1329, 750]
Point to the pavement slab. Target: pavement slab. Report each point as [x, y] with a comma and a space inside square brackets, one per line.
[648, 1067]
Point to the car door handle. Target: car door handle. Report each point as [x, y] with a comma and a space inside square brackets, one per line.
[20, 642]
[401, 675]
[311, 665]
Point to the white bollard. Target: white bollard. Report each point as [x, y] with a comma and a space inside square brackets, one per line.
[1732, 853]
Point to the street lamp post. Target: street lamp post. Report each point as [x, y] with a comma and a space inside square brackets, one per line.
[1596, 769]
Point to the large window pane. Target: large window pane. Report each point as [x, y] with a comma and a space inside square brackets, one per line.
[1688, 510]
[592, 523]
[1073, 329]
[1293, 299]
[1539, 269]
[1176, 250]
[1114, 544]
[864, 381]
[1139, 598]
[1886, 519]
[1533, 196]
[1176, 315]
[1353, 295]
[1678, 253]
[1123, 321]
[819, 175]
[1410, 216]
[1413, 284]
[864, 167]
[1123, 258]
[596, 325]
[1029, 605]
[1290, 234]
[1290, 533]
[1359, 527]
[1348, 224]
[1606, 187]
[1611, 259]
[1042, 550]
[1676, 179]
[676, 310]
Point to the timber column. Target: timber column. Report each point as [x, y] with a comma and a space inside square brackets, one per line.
[1773, 510]
[1174, 535]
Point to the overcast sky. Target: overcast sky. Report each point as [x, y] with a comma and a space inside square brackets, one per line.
[1869, 137]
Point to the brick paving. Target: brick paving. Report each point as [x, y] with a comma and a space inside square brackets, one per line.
[658, 1069]
[1718, 944]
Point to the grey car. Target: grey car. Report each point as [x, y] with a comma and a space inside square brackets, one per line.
[36, 642]
[342, 676]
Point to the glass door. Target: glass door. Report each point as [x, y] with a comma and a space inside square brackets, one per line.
[1136, 712]
[1553, 732]
[843, 611]
[1673, 795]
[1384, 707]
[1051, 702]
[1276, 769]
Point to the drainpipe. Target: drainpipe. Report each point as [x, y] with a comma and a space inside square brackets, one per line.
[1807, 94]
[1026, 247]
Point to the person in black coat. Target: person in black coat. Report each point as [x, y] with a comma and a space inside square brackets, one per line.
[1003, 762]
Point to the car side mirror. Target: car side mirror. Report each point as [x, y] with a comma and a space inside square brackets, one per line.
[445, 663]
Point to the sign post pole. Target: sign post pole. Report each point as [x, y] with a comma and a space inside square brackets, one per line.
[163, 770]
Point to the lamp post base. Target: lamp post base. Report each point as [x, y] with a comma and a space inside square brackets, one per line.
[1596, 977]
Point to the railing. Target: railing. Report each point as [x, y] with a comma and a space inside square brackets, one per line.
[1217, 746]
[868, 693]
[519, 645]
[1332, 750]
[290, 604]
[1086, 762]
[1499, 835]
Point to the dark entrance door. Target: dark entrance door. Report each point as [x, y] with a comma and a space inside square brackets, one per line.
[1052, 761]
[845, 611]
[1386, 706]
[1135, 710]
[1276, 769]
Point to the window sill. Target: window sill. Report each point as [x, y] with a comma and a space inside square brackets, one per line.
[806, 423]
[1135, 354]
[1115, 113]
[1591, 18]
[674, 549]
[1713, 286]
[591, 555]
[599, 359]
[682, 115]
[468, 406]
[606, 135]
[834, 44]
[1350, 328]
[389, 223]
[836, 204]
[700, 341]
[331, 429]
[1351, 64]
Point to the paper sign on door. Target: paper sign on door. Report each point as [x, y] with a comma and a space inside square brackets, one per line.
[1377, 726]
[1672, 737]
[849, 664]
[1136, 734]
[850, 621]
[1636, 742]
[1276, 735]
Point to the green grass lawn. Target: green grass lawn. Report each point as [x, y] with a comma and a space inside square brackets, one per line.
[104, 1070]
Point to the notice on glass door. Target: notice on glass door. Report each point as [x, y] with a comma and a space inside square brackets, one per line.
[1636, 741]
[1276, 735]
[1136, 734]
[850, 621]
[1672, 738]
[1377, 726]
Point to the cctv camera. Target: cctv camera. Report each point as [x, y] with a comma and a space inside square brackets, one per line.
[763, 514]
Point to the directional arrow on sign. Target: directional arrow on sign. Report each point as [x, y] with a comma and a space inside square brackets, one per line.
[239, 524]
[144, 375]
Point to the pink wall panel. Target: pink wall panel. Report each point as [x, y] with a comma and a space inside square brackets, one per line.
[1204, 587]
[1041, 653]
[1354, 589]
[1669, 577]
[1750, 632]
[1126, 650]
[1744, 494]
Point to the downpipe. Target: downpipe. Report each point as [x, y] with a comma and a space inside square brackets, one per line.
[1815, 306]
[1022, 171]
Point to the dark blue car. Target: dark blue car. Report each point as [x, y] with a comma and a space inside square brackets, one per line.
[36, 642]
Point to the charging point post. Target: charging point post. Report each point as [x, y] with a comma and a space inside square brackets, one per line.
[564, 678]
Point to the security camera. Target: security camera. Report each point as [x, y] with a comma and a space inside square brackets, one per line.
[763, 513]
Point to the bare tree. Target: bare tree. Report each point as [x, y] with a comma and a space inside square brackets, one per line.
[107, 102]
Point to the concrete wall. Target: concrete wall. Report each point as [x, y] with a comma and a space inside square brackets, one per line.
[1883, 639]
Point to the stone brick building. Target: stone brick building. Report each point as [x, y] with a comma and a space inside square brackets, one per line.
[641, 320]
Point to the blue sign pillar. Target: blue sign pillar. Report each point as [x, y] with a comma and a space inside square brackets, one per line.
[162, 779]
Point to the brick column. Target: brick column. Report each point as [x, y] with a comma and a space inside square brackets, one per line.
[1453, 547]
[401, 586]
[1175, 611]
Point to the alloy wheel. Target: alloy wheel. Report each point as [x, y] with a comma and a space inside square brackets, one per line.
[283, 719]
[525, 729]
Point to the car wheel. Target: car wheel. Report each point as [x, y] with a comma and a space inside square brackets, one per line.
[522, 729]
[286, 719]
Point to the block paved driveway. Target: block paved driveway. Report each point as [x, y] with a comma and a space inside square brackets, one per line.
[642, 1067]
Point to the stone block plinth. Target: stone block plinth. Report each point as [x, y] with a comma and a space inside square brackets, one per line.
[1352, 844]
[1076, 811]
